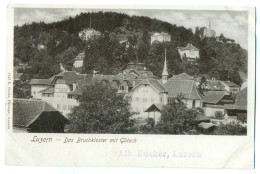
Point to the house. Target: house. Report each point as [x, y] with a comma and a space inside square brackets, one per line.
[214, 101]
[37, 116]
[57, 90]
[18, 76]
[146, 93]
[187, 88]
[231, 87]
[79, 61]
[160, 37]
[136, 71]
[88, 33]
[208, 32]
[238, 110]
[189, 53]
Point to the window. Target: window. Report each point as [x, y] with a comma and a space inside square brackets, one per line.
[64, 107]
[144, 99]
[193, 103]
[152, 99]
[58, 106]
[161, 99]
[33, 92]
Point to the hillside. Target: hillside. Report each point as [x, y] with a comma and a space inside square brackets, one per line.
[44, 46]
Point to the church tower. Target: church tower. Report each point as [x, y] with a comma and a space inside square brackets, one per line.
[165, 70]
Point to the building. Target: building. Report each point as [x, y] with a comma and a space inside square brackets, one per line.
[208, 32]
[79, 61]
[88, 33]
[187, 88]
[136, 71]
[182, 76]
[230, 87]
[214, 101]
[160, 37]
[146, 93]
[56, 90]
[238, 110]
[189, 53]
[37, 116]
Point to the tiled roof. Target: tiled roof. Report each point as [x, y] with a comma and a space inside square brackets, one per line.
[230, 84]
[26, 111]
[40, 81]
[186, 87]
[188, 47]
[49, 90]
[183, 76]
[154, 83]
[213, 97]
[215, 85]
[240, 101]
[69, 76]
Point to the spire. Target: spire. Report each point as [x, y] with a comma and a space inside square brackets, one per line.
[209, 24]
[165, 71]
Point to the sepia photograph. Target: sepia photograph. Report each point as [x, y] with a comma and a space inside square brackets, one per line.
[130, 71]
[130, 86]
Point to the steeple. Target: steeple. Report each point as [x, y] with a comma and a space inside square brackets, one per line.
[209, 24]
[165, 70]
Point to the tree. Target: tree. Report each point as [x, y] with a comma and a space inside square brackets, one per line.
[101, 110]
[176, 118]
[219, 115]
[202, 85]
[230, 129]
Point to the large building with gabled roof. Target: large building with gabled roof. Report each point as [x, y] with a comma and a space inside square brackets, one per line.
[189, 53]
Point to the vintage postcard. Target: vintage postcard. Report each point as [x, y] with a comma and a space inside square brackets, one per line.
[130, 86]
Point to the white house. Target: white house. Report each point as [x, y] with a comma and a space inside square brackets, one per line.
[146, 93]
[190, 53]
[160, 37]
[79, 60]
[39, 85]
[86, 34]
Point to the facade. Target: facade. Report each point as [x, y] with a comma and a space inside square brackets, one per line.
[160, 37]
[231, 87]
[146, 93]
[189, 53]
[37, 116]
[38, 85]
[79, 61]
[88, 33]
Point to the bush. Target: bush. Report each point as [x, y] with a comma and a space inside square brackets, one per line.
[230, 129]
[219, 115]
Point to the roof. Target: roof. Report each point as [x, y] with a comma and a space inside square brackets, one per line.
[26, 111]
[183, 76]
[81, 56]
[162, 34]
[156, 84]
[154, 107]
[17, 76]
[215, 85]
[40, 81]
[49, 90]
[186, 87]
[188, 47]
[69, 77]
[213, 97]
[230, 84]
[240, 101]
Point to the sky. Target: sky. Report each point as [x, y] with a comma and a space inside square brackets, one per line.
[233, 24]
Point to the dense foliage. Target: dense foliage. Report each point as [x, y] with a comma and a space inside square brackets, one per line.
[61, 44]
[101, 110]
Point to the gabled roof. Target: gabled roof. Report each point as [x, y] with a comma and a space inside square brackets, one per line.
[213, 97]
[49, 90]
[17, 76]
[188, 47]
[69, 77]
[156, 84]
[240, 101]
[26, 111]
[40, 81]
[81, 56]
[154, 107]
[229, 84]
[182, 76]
[185, 87]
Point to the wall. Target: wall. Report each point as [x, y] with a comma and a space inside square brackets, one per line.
[210, 112]
[189, 53]
[35, 89]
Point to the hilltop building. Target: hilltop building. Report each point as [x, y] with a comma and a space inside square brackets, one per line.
[88, 33]
[160, 37]
[189, 53]
[208, 32]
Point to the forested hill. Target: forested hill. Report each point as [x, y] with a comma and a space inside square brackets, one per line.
[44, 46]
